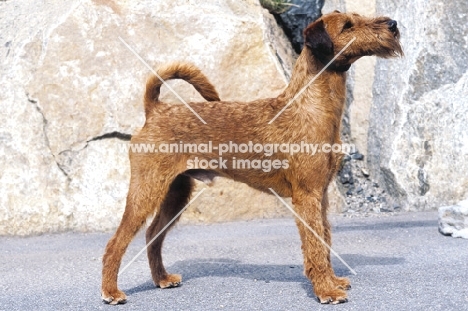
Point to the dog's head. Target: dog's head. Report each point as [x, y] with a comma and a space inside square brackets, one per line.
[327, 36]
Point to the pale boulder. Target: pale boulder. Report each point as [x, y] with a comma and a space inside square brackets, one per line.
[453, 220]
[72, 96]
[418, 143]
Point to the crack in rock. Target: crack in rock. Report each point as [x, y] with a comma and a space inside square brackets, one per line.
[67, 157]
[64, 159]
[44, 120]
[44, 130]
[114, 134]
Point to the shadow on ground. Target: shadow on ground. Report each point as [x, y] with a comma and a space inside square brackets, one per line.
[226, 268]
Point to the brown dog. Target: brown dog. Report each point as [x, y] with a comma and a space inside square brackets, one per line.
[161, 183]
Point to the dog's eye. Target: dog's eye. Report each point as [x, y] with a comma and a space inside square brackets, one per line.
[347, 25]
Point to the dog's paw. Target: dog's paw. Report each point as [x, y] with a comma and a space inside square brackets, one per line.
[342, 283]
[170, 280]
[334, 297]
[114, 298]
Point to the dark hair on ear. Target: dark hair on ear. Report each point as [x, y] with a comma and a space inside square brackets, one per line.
[319, 41]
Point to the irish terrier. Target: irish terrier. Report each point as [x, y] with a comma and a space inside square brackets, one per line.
[161, 183]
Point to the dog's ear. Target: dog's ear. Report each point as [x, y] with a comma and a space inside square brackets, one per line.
[319, 41]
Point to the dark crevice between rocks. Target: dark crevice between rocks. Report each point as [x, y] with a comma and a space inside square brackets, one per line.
[296, 18]
[288, 32]
[363, 194]
[44, 131]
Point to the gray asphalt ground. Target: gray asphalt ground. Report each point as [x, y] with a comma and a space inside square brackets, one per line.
[402, 263]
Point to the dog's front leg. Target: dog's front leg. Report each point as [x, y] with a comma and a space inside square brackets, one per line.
[340, 282]
[317, 266]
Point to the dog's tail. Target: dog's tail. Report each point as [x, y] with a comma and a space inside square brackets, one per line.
[179, 70]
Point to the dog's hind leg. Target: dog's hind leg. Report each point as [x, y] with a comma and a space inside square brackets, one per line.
[144, 195]
[176, 199]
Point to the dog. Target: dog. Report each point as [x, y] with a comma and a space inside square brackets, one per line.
[161, 183]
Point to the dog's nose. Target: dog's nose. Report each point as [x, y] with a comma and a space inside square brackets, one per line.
[392, 25]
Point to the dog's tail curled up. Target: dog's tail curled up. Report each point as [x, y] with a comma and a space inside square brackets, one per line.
[178, 70]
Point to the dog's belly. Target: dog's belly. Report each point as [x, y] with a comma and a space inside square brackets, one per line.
[257, 180]
[205, 176]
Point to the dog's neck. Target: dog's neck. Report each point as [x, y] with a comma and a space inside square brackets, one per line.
[324, 98]
[333, 66]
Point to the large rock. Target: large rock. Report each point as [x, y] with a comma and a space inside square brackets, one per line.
[453, 220]
[418, 143]
[72, 96]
